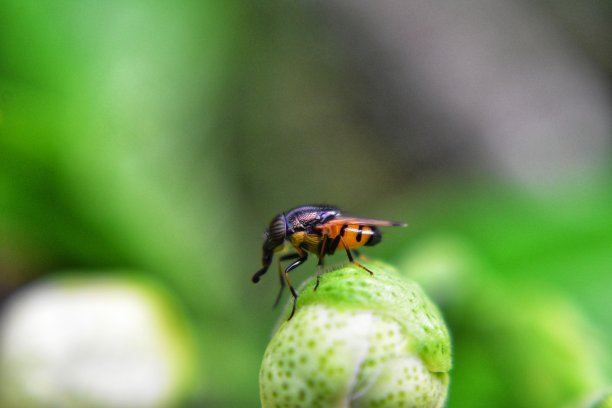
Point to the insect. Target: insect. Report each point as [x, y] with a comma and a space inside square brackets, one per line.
[318, 229]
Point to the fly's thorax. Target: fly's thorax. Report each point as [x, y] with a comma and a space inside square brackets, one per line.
[297, 238]
[309, 241]
[307, 216]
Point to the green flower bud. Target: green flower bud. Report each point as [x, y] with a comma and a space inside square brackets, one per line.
[358, 340]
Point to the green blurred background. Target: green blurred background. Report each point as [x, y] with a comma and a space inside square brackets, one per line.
[161, 138]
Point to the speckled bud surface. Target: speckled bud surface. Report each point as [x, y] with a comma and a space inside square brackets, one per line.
[358, 341]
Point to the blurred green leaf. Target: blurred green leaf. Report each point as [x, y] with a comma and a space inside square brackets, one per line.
[517, 343]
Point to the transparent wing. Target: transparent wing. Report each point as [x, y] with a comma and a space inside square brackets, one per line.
[361, 221]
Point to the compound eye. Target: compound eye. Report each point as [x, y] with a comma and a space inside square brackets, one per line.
[277, 231]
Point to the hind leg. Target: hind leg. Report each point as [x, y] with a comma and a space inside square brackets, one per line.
[352, 260]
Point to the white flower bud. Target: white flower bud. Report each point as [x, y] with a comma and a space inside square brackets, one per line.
[104, 342]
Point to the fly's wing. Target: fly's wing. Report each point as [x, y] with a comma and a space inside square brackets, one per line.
[361, 221]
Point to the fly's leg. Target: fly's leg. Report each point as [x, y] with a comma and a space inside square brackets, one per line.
[319, 268]
[280, 275]
[350, 257]
[359, 255]
[303, 256]
[324, 247]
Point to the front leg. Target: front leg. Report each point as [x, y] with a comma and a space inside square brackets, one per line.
[303, 256]
[280, 274]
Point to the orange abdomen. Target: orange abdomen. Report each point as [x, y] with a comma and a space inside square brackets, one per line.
[353, 236]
